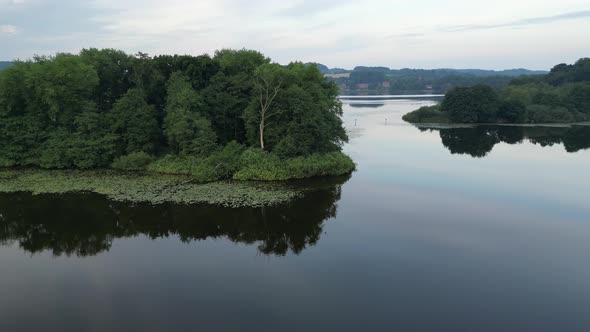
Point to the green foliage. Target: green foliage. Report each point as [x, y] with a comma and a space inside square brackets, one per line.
[136, 161]
[562, 96]
[114, 69]
[427, 114]
[548, 114]
[264, 166]
[563, 73]
[136, 123]
[195, 115]
[471, 105]
[305, 114]
[253, 164]
[187, 131]
[220, 165]
[512, 111]
[579, 98]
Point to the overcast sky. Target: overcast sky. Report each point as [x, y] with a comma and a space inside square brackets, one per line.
[496, 34]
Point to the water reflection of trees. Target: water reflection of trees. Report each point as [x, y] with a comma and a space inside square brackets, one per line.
[479, 141]
[86, 225]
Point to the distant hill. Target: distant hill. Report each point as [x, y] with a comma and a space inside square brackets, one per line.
[507, 72]
[384, 80]
[5, 64]
[325, 70]
[440, 71]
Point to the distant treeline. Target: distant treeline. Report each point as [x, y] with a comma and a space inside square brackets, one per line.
[383, 80]
[562, 96]
[235, 114]
[5, 64]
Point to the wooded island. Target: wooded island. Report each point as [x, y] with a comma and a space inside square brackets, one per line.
[562, 96]
[235, 115]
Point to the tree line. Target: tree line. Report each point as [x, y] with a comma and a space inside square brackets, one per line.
[101, 108]
[562, 96]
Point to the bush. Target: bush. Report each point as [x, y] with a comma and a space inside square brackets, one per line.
[427, 114]
[220, 165]
[136, 161]
[173, 164]
[226, 161]
[264, 166]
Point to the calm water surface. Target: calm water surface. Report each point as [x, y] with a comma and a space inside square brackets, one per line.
[463, 229]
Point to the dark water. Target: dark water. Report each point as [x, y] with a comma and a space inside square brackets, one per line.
[463, 229]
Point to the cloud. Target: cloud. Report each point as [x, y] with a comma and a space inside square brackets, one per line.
[9, 29]
[518, 23]
[342, 33]
[306, 8]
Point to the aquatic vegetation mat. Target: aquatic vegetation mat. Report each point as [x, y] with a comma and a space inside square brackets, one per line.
[151, 188]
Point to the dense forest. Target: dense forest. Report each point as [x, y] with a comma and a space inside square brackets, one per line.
[234, 115]
[562, 96]
[364, 80]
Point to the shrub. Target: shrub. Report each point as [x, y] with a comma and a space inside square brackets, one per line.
[220, 165]
[136, 161]
[173, 164]
[264, 166]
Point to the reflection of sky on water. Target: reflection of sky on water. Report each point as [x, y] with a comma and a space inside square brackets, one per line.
[399, 154]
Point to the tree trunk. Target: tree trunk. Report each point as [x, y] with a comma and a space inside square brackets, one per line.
[262, 133]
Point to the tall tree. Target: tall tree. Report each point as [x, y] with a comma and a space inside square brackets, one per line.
[187, 130]
[268, 83]
[135, 121]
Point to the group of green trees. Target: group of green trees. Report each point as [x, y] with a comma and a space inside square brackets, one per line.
[209, 116]
[562, 96]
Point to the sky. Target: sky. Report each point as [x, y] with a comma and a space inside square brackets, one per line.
[499, 34]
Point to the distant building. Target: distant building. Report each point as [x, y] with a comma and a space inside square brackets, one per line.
[362, 86]
[428, 87]
[386, 84]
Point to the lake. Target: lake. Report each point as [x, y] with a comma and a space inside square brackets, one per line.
[440, 229]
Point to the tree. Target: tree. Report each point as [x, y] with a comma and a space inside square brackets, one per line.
[579, 98]
[478, 104]
[512, 111]
[114, 69]
[230, 91]
[187, 131]
[134, 120]
[268, 83]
